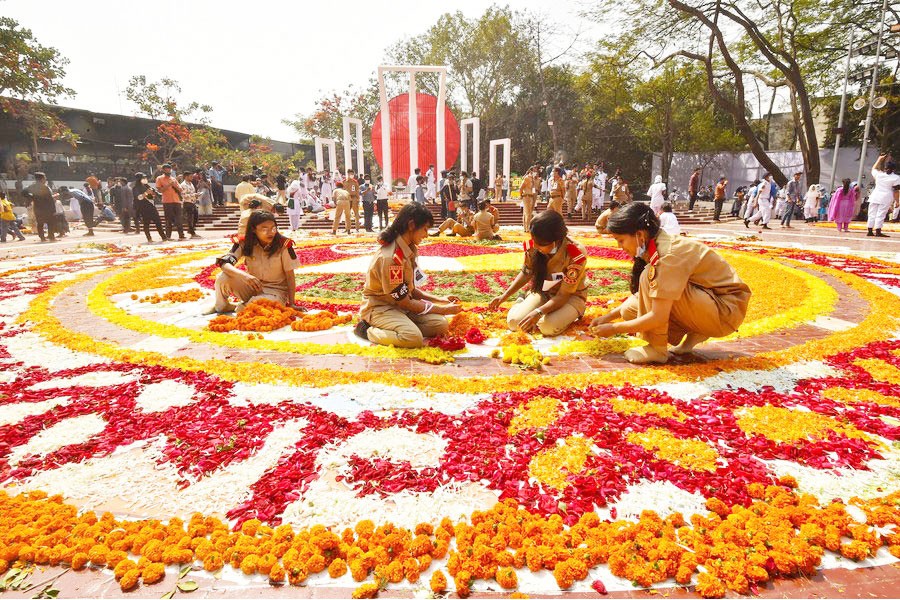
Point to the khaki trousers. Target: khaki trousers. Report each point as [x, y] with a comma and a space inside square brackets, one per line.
[527, 209]
[343, 208]
[698, 310]
[550, 324]
[354, 209]
[390, 326]
[456, 227]
[227, 285]
[556, 204]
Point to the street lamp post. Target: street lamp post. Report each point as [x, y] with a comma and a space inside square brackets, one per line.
[840, 126]
[865, 141]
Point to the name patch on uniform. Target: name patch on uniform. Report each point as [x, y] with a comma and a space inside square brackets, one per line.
[552, 281]
[400, 292]
[396, 274]
[419, 277]
[571, 275]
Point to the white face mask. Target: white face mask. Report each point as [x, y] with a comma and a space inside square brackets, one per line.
[144, 181]
[641, 250]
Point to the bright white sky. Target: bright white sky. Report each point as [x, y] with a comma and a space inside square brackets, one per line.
[255, 62]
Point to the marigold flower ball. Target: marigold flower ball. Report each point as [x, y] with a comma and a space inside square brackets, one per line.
[710, 586]
[213, 562]
[130, 579]
[79, 561]
[366, 590]
[438, 582]
[337, 568]
[153, 573]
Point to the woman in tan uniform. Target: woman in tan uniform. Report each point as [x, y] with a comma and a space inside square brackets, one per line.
[394, 311]
[484, 222]
[270, 260]
[555, 266]
[571, 193]
[528, 193]
[683, 293]
[462, 225]
[557, 188]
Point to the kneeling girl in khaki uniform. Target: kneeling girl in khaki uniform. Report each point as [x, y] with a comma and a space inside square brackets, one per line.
[683, 293]
[394, 311]
[462, 225]
[270, 260]
[555, 266]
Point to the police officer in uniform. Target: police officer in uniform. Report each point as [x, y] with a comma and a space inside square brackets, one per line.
[683, 293]
[394, 311]
[555, 266]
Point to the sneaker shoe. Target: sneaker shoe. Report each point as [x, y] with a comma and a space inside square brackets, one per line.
[362, 330]
[196, 236]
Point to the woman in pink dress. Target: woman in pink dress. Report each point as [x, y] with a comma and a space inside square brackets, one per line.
[840, 209]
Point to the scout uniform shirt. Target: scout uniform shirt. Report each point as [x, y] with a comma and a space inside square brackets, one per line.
[679, 261]
[351, 186]
[391, 277]
[270, 270]
[565, 268]
[527, 187]
[484, 225]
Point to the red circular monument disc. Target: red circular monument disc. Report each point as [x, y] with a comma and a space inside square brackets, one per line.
[426, 106]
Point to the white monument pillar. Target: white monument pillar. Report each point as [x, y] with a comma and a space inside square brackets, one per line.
[332, 154]
[505, 143]
[413, 125]
[475, 122]
[348, 151]
[440, 134]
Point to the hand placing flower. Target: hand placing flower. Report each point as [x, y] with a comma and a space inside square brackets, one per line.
[602, 330]
[495, 303]
[454, 299]
[530, 320]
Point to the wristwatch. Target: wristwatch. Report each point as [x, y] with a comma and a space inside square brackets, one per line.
[541, 312]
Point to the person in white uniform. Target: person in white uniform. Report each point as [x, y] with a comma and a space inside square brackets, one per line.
[296, 193]
[882, 196]
[764, 203]
[430, 185]
[599, 190]
[657, 193]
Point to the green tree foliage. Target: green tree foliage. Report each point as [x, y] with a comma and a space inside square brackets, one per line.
[31, 76]
[159, 100]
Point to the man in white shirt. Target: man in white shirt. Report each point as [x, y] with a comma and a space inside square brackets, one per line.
[764, 203]
[411, 183]
[382, 192]
[882, 196]
[326, 189]
[430, 187]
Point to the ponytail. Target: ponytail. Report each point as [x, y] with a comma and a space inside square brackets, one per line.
[628, 220]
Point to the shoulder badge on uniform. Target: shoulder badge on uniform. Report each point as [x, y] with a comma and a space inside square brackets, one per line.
[528, 245]
[571, 274]
[575, 253]
[237, 239]
[398, 255]
[289, 244]
[396, 274]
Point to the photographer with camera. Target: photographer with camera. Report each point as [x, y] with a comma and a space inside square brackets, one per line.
[144, 205]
